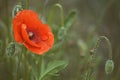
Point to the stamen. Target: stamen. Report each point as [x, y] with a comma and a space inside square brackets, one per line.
[30, 35]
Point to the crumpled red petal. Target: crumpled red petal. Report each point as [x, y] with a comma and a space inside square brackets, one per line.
[28, 21]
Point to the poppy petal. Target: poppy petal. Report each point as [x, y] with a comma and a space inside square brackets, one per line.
[31, 32]
[26, 37]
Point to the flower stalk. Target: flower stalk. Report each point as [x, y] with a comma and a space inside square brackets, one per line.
[61, 14]
[94, 50]
[109, 65]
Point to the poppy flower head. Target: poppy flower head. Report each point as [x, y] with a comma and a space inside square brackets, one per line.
[31, 32]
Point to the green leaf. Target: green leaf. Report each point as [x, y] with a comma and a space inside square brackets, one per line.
[70, 19]
[68, 22]
[53, 68]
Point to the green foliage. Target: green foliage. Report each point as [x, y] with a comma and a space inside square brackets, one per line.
[53, 68]
[70, 19]
[72, 44]
[67, 24]
[61, 34]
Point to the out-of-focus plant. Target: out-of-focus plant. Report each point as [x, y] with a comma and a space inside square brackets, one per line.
[22, 64]
[91, 60]
[27, 66]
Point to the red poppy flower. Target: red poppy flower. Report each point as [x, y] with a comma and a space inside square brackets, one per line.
[31, 32]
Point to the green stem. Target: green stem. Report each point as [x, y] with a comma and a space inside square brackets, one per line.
[27, 4]
[109, 46]
[19, 60]
[61, 14]
[23, 3]
[96, 46]
[44, 6]
[108, 43]
[42, 66]
[7, 20]
[26, 65]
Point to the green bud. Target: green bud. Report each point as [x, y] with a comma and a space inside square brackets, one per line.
[10, 50]
[61, 33]
[16, 9]
[109, 66]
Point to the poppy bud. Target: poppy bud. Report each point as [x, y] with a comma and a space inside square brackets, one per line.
[10, 50]
[61, 33]
[16, 9]
[109, 66]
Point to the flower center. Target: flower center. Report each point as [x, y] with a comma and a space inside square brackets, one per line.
[31, 35]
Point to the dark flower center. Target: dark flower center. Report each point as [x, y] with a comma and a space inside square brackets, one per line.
[31, 35]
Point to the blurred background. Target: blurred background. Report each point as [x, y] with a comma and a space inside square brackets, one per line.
[94, 18]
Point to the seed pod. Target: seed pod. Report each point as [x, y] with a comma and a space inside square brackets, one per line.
[16, 9]
[10, 50]
[109, 66]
